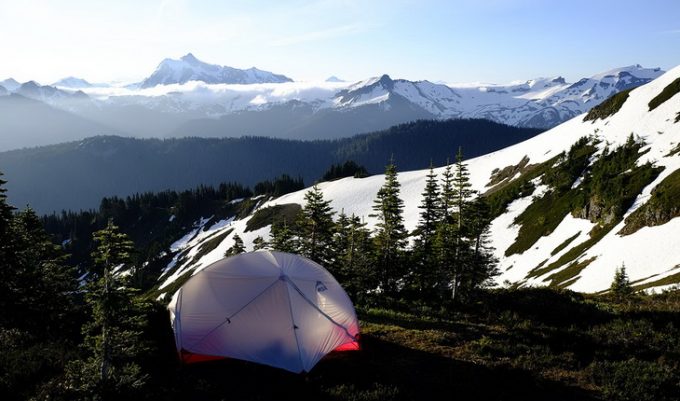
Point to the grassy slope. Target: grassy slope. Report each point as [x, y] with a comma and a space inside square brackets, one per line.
[517, 345]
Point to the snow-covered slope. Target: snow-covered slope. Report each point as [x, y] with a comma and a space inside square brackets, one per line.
[189, 68]
[650, 254]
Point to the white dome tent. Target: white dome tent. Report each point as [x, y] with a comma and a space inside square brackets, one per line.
[272, 308]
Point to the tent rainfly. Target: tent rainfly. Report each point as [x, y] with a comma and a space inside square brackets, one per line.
[272, 308]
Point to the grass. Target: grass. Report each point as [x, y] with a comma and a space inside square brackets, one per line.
[609, 107]
[567, 275]
[595, 235]
[528, 344]
[268, 215]
[564, 244]
[668, 280]
[668, 92]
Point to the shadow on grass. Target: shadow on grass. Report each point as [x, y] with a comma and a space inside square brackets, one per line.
[381, 371]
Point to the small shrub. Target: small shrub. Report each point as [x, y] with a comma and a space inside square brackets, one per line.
[635, 380]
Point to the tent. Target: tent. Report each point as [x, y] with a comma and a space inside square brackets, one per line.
[272, 308]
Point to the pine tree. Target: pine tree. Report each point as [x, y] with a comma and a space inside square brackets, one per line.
[447, 194]
[621, 287]
[259, 243]
[281, 238]
[482, 265]
[462, 197]
[390, 236]
[7, 254]
[45, 298]
[423, 250]
[353, 265]
[236, 248]
[315, 227]
[112, 337]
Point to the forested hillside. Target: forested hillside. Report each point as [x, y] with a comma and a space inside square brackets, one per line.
[77, 175]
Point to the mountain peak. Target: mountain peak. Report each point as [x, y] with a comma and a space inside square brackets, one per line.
[10, 84]
[72, 82]
[190, 58]
[189, 68]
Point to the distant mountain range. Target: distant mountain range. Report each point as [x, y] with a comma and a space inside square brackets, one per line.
[78, 174]
[187, 97]
[570, 205]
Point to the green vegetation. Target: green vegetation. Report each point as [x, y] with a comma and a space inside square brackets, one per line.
[347, 169]
[525, 344]
[281, 185]
[621, 287]
[268, 215]
[609, 107]
[668, 92]
[210, 245]
[608, 188]
[659, 209]
[501, 195]
[564, 277]
[508, 172]
[564, 244]
[548, 211]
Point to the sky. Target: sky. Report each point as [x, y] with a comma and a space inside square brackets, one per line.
[454, 41]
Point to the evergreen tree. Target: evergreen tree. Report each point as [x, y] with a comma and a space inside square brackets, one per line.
[259, 243]
[45, 298]
[390, 236]
[621, 287]
[447, 194]
[236, 248]
[112, 337]
[315, 228]
[482, 266]
[38, 290]
[282, 238]
[7, 253]
[353, 265]
[423, 250]
[462, 196]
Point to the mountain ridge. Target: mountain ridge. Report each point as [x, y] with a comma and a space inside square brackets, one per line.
[580, 240]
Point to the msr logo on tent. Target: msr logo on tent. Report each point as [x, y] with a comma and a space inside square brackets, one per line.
[320, 287]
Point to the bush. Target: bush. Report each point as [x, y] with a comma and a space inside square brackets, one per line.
[635, 380]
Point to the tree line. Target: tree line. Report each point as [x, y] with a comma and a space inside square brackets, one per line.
[447, 256]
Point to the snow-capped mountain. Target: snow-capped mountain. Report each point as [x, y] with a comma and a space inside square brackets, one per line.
[189, 68]
[631, 142]
[539, 103]
[187, 97]
[63, 99]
